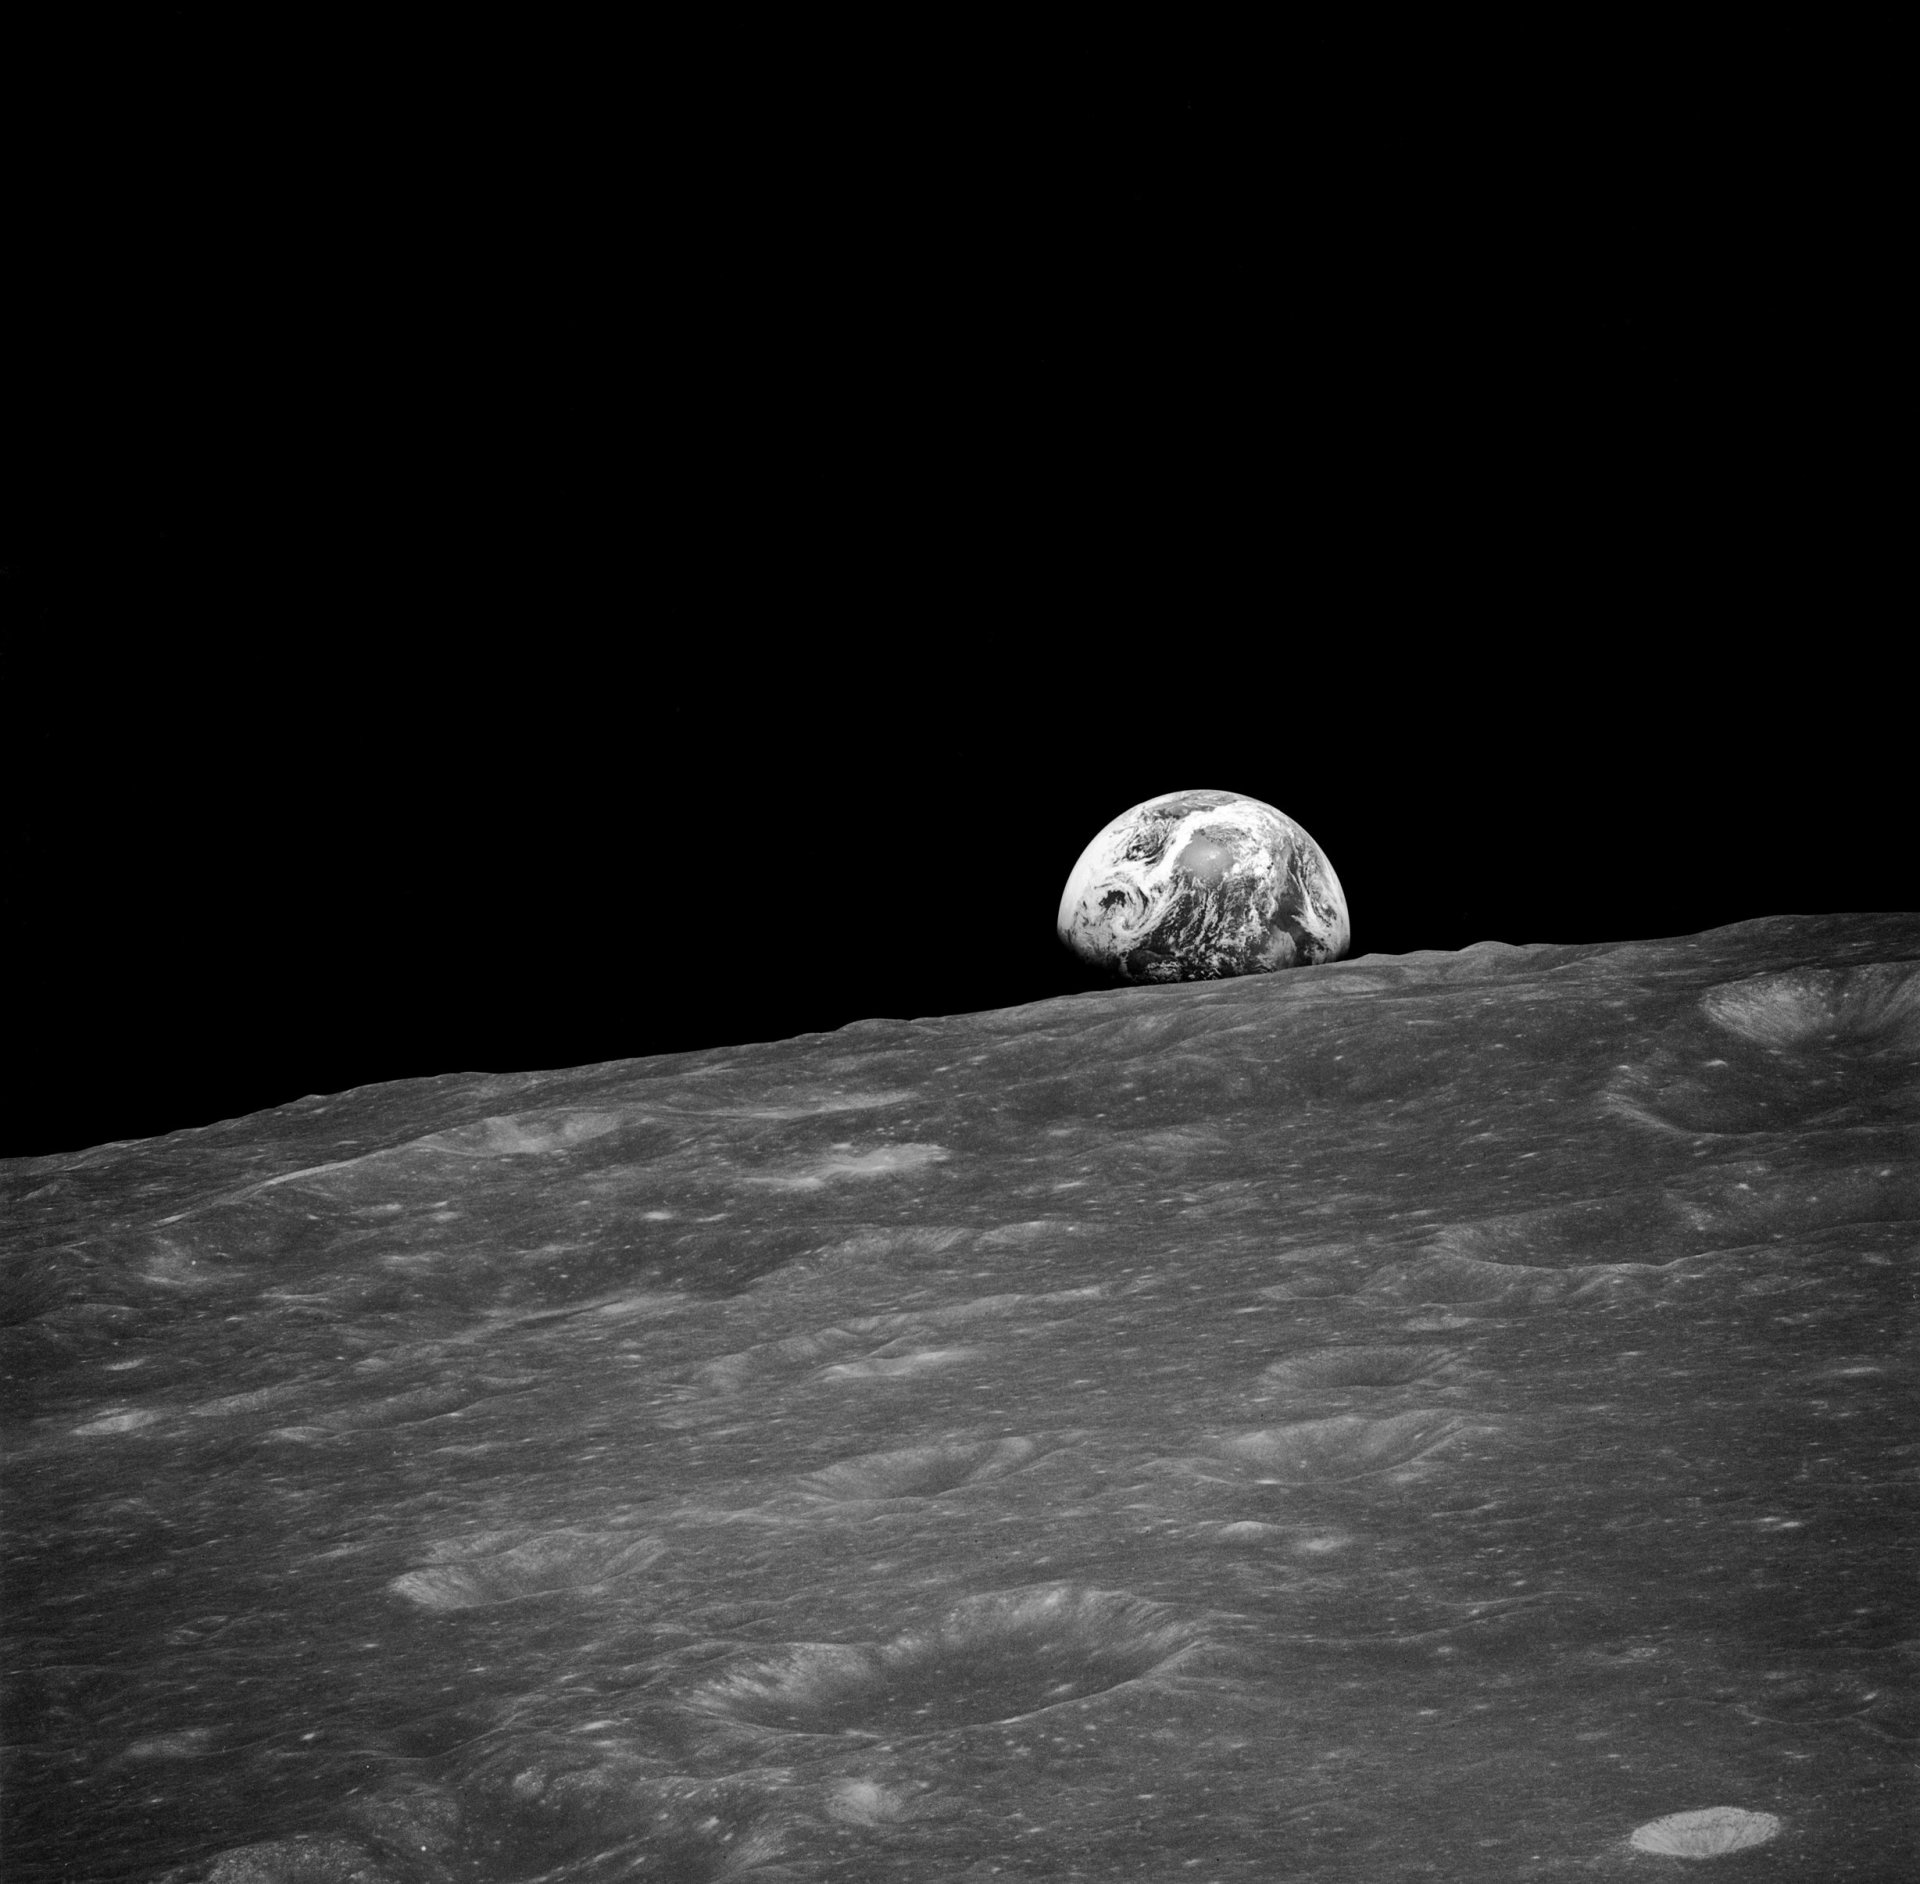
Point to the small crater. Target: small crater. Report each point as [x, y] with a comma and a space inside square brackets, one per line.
[1318, 1451]
[1806, 1700]
[917, 1471]
[1305, 1289]
[773, 1360]
[185, 1743]
[1631, 1226]
[1447, 1278]
[1710, 1833]
[1329, 1368]
[883, 1161]
[399, 1409]
[1875, 1005]
[556, 1564]
[1251, 1531]
[1812, 1049]
[866, 1802]
[116, 1423]
[524, 1135]
[1894, 1717]
[900, 1361]
[993, 1658]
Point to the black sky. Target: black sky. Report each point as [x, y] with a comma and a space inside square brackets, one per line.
[509, 591]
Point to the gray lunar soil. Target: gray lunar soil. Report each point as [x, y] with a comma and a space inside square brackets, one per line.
[1422, 1417]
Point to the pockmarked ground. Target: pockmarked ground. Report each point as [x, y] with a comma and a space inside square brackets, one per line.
[1445, 1416]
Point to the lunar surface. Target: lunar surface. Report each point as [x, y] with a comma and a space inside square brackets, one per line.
[1442, 1416]
[1194, 886]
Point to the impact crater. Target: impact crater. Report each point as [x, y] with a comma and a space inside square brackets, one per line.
[992, 1658]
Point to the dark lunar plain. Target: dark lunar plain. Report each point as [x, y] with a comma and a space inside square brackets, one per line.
[590, 1294]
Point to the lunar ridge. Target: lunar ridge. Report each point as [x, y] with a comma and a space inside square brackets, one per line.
[1438, 1416]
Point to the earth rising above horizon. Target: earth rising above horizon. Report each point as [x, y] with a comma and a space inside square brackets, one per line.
[1199, 885]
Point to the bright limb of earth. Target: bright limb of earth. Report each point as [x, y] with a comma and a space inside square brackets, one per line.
[1196, 885]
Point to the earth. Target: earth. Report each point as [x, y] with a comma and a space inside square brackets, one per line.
[1193, 886]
